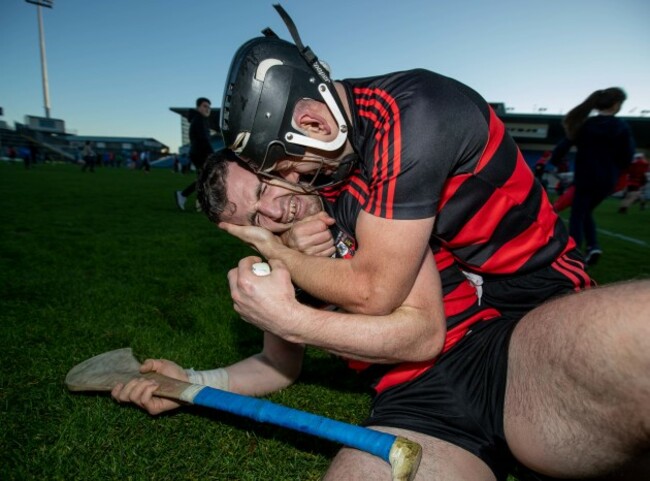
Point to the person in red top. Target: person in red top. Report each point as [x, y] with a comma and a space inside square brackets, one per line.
[540, 168]
[636, 180]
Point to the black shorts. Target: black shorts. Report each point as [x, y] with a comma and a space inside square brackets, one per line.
[460, 399]
[514, 296]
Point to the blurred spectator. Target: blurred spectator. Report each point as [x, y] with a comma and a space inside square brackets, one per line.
[540, 168]
[185, 164]
[33, 155]
[200, 147]
[26, 155]
[88, 156]
[144, 161]
[562, 174]
[134, 160]
[565, 200]
[636, 180]
[604, 149]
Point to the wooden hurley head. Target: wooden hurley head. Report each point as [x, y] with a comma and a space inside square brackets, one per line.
[103, 372]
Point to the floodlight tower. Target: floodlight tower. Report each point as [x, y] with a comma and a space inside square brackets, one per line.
[41, 35]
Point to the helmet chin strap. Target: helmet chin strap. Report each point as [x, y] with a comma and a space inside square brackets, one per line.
[344, 168]
[341, 174]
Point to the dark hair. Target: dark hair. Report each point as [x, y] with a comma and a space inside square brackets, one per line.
[200, 100]
[211, 186]
[600, 100]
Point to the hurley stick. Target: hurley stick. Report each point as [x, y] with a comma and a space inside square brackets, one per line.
[105, 371]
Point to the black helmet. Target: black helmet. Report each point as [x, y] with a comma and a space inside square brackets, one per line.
[267, 77]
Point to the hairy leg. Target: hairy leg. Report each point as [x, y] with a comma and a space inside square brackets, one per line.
[578, 391]
[441, 461]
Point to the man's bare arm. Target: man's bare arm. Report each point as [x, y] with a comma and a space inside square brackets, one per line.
[276, 367]
[413, 332]
[375, 281]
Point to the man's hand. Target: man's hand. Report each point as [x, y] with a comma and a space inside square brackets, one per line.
[266, 302]
[311, 236]
[140, 391]
[259, 238]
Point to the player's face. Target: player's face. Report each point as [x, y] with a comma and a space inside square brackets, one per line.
[269, 203]
[204, 109]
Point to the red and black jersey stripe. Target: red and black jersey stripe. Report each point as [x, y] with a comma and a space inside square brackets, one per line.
[381, 111]
[497, 219]
[462, 307]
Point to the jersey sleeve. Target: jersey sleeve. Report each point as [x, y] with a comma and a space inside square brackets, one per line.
[430, 129]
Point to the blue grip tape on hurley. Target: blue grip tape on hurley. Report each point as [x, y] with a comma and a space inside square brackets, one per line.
[365, 439]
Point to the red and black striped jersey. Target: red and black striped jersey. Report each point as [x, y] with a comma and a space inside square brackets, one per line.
[431, 146]
[462, 305]
[459, 295]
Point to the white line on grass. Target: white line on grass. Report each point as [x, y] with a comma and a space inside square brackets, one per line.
[624, 237]
[614, 234]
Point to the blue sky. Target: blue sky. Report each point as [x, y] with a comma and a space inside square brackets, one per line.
[116, 66]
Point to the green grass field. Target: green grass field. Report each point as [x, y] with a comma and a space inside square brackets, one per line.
[95, 262]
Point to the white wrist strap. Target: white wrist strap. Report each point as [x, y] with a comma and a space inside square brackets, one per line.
[217, 378]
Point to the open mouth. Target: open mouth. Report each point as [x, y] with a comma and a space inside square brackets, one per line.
[293, 208]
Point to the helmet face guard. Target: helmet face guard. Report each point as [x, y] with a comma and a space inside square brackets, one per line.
[315, 180]
[267, 77]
